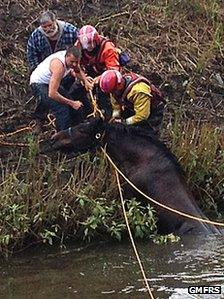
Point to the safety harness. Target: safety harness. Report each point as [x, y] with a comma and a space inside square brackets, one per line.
[92, 61]
[131, 79]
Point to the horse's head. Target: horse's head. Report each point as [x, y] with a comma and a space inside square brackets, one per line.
[80, 138]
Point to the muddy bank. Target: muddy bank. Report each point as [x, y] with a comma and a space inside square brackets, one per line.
[179, 46]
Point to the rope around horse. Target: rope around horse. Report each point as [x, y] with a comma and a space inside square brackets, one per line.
[156, 202]
[95, 110]
[131, 237]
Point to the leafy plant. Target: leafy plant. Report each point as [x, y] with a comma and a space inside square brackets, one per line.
[165, 239]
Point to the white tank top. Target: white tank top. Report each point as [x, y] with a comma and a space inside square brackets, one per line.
[42, 73]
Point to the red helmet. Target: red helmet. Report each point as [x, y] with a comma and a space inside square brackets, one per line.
[88, 36]
[109, 80]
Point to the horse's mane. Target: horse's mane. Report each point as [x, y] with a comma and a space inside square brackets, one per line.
[148, 136]
[131, 130]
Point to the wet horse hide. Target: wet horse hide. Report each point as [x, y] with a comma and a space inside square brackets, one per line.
[147, 163]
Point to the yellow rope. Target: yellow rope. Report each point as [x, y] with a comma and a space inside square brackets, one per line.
[158, 203]
[131, 238]
[51, 120]
[95, 106]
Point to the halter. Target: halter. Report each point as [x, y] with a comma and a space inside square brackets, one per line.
[99, 137]
[70, 132]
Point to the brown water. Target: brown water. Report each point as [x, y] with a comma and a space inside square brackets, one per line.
[111, 271]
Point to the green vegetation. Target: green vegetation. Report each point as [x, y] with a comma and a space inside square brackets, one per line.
[200, 149]
[47, 202]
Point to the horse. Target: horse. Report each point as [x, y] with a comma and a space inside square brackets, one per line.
[147, 163]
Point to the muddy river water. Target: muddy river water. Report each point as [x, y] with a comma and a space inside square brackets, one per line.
[110, 271]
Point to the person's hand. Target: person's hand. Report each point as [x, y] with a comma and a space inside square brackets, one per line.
[117, 120]
[89, 83]
[76, 104]
[96, 80]
[73, 73]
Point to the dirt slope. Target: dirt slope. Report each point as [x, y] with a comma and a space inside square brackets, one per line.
[179, 46]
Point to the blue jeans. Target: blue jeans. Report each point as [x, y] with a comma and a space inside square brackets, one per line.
[65, 115]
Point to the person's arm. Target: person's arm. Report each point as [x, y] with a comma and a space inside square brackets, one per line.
[110, 58]
[57, 70]
[32, 55]
[116, 107]
[142, 105]
[88, 81]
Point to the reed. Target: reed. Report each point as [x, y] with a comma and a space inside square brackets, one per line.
[46, 200]
[200, 150]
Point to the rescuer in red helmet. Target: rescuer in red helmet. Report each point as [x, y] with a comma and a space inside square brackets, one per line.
[98, 55]
[137, 101]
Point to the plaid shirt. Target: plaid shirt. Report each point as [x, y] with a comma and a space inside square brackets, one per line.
[38, 46]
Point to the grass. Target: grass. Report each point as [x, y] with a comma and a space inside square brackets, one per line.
[50, 201]
[200, 149]
[44, 200]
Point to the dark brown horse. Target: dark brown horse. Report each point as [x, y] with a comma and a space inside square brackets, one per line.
[147, 163]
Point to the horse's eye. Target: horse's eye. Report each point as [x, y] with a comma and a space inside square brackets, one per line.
[98, 135]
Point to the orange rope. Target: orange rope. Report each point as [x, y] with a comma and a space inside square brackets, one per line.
[131, 237]
[13, 144]
[28, 128]
[51, 120]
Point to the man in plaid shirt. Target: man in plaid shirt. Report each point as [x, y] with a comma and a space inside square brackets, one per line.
[51, 36]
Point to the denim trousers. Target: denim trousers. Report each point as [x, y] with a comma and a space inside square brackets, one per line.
[64, 114]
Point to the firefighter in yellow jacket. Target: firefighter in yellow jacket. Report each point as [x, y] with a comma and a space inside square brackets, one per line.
[135, 100]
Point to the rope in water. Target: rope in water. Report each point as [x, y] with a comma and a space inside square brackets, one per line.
[131, 238]
[158, 203]
[95, 110]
